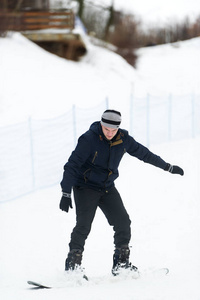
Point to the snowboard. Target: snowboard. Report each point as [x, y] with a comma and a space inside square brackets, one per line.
[38, 285]
[47, 286]
[155, 272]
[71, 281]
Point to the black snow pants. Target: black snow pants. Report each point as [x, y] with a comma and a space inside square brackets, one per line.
[110, 202]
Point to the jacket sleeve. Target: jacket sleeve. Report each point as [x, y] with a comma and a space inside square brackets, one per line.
[76, 160]
[143, 153]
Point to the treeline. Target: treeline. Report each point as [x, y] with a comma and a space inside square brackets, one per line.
[126, 33]
[177, 31]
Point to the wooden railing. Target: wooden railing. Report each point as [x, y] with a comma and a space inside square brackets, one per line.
[35, 20]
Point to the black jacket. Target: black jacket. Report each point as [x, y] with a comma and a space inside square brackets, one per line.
[95, 160]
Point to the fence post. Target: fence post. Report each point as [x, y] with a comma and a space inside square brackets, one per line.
[147, 120]
[74, 123]
[31, 152]
[107, 103]
[169, 117]
[193, 116]
[131, 114]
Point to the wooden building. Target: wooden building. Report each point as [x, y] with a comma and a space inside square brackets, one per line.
[51, 30]
[24, 4]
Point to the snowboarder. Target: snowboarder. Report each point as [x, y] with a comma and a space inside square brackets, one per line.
[91, 171]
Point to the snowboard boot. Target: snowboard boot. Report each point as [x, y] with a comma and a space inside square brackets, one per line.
[73, 261]
[121, 261]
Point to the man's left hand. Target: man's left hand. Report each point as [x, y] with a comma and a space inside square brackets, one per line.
[174, 169]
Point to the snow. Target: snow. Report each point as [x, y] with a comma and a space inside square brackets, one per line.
[34, 235]
[29, 74]
[164, 208]
[170, 68]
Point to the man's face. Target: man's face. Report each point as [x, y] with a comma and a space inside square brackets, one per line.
[109, 132]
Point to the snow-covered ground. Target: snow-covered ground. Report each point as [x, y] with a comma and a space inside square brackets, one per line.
[171, 68]
[33, 80]
[164, 208]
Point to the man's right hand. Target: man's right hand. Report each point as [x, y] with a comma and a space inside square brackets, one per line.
[66, 202]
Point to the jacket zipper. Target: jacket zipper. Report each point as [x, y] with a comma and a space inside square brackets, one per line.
[95, 155]
[110, 172]
[85, 173]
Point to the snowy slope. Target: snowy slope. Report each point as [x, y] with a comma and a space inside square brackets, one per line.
[165, 225]
[164, 208]
[171, 68]
[33, 80]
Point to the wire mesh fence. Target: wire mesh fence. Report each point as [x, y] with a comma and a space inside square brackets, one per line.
[32, 153]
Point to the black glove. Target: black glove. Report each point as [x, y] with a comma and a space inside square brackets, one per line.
[174, 169]
[66, 202]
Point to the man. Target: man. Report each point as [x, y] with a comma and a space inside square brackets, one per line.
[91, 171]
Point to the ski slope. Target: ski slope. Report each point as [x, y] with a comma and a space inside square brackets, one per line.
[164, 208]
